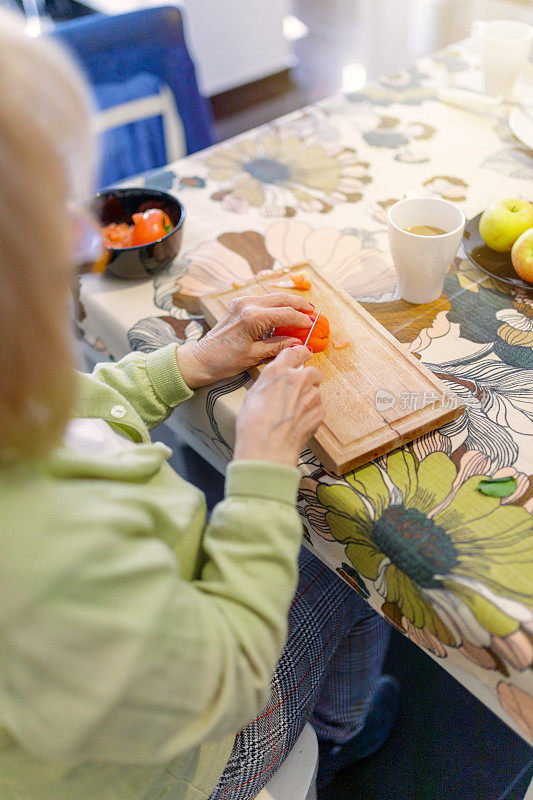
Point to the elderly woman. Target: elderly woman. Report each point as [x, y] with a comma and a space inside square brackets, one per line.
[139, 643]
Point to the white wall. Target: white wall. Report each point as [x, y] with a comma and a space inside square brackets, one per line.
[235, 41]
[232, 41]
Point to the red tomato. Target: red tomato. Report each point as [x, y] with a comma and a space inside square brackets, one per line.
[117, 234]
[149, 226]
[319, 339]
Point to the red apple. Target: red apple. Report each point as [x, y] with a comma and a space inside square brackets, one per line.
[522, 255]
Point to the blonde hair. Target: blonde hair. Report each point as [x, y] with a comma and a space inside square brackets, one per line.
[46, 158]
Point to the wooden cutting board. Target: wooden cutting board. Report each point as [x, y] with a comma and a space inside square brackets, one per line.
[376, 394]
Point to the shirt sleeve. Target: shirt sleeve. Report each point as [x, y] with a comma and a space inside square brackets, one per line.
[124, 661]
[151, 383]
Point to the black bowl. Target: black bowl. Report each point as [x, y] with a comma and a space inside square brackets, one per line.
[143, 260]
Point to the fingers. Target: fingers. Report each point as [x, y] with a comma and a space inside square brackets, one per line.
[313, 376]
[313, 417]
[305, 379]
[291, 400]
[311, 409]
[256, 315]
[285, 369]
[254, 321]
[310, 394]
[281, 317]
[289, 357]
[269, 348]
[278, 299]
[281, 411]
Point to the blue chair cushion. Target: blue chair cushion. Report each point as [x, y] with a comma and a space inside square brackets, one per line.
[135, 147]
[150, 40]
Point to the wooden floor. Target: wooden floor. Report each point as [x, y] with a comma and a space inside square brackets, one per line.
[360, 40]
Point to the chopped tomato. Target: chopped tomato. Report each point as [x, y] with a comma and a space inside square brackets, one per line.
[117, 234]
[149, 226]
[319, 339]
[317, 345]
[300, 281]
[295, 280]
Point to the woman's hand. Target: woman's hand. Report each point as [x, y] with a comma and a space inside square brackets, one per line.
[281, 411]
[236, 342]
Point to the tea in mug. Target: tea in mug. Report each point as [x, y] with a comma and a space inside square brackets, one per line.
[424, 230]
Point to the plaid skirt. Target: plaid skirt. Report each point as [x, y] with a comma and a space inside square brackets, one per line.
[326, 675]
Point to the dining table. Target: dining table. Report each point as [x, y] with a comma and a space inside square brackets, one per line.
[448, 566]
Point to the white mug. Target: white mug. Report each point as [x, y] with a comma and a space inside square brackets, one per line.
[504, 48]
[422, 262]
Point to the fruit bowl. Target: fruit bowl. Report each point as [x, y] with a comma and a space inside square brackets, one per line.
[143, 260]
[497, 265]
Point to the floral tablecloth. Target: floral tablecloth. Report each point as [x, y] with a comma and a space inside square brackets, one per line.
[447, 565]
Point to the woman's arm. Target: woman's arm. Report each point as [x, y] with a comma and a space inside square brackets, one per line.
[118, 658]
[156, 383]
[152, 383]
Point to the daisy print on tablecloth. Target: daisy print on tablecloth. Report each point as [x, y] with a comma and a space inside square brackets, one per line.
[513, 162]
[168, 180]
[519, 705]
[480, 314]
[448, 187]
[404, 86]
[152, 333]
[393, 133]
[236, 257]
[498, 418]
[379, 210]
[455, 60]
[416, 84]
[486, 316]
[282, 170]
[453, 567]
[492, 335]
[407, 137]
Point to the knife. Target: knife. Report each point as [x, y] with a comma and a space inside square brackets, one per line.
[311, 328]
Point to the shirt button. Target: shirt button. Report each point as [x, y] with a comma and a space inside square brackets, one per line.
[118, 412]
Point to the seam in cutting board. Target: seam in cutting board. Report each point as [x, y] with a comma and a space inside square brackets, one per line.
[390, 426]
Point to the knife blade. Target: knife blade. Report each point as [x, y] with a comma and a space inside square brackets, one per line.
[311, 328]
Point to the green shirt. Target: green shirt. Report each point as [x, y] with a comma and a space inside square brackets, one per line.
[135, 640]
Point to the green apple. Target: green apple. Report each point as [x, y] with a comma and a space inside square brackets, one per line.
[522, 255]
[503, 222]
